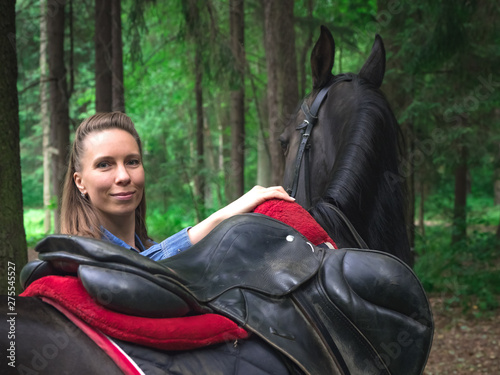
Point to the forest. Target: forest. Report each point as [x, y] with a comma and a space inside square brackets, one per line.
[210, 85]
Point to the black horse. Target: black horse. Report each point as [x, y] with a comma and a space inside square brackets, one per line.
[354, 151]
[352, 190]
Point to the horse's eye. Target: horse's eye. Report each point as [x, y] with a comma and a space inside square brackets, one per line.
[284, 144]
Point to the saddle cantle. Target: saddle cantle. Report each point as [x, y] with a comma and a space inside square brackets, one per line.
[330, 311]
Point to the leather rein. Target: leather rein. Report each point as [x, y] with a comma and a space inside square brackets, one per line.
[306, 127]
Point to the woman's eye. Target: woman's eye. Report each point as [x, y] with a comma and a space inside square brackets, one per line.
[134, 162]
[103, 164]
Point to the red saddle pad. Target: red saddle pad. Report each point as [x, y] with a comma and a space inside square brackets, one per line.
[162, 333]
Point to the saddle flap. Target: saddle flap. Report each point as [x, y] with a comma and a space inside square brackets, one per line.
[280, 322]
[386, 306]
[250, 251]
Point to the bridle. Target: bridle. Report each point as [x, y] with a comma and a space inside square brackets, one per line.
[311, 118]
[306, 127]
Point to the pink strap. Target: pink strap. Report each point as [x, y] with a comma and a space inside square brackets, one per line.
[122, 360]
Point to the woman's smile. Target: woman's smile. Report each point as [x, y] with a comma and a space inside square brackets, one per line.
[123, 196]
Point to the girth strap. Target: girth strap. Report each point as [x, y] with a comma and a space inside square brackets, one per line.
[355, 235]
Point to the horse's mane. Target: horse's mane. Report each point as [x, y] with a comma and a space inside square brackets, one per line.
[366, 185]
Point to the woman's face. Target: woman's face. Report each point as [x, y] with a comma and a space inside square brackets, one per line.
[112, 174]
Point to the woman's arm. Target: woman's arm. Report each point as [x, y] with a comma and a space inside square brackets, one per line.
[244, 204]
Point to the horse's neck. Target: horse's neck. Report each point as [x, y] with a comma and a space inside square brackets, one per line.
[380, 228]
[384, 227]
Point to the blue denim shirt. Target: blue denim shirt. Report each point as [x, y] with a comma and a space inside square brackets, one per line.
[165, 249]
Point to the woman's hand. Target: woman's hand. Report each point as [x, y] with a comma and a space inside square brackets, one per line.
[256, 196]
[246, 203]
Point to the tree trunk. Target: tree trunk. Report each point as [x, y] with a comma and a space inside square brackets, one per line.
[421, 212]
[103, 76]
[496, 187]
[193, 20]
[212, 164]
[496, 166]
[237, 109]
[282, 84]
[304, 54]
[13, 254]
[496, 183]
[225, 152]
[264, 171]
[264, 161]
[498, 231]
[199, 179]
[459, 232]
[118, 88]
[71, 51]
[407, 130]
[59, 113]
[45, 121]
[288, 77]
[271, 43]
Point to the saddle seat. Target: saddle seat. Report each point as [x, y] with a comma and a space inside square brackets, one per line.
[345, 311]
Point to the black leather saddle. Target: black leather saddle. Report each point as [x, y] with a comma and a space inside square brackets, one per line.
[345, 311]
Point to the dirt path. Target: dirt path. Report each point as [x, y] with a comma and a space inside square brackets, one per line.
[463, 346]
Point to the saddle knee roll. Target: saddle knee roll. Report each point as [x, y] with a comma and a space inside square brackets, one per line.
[35, 270]
[131, 294]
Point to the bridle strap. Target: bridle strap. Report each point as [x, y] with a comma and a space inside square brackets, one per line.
[306, 129]
[311, 118]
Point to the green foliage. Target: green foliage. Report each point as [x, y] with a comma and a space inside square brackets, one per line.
[162, 224]
[447, 36]
[468, 273]
[33, 224]
[31, 159]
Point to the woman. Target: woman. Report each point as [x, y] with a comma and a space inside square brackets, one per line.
[104, 196]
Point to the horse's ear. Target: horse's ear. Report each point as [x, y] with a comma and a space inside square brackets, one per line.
[322, 57]
[374, 68]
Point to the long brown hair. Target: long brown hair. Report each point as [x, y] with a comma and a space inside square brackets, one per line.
[78, 215]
